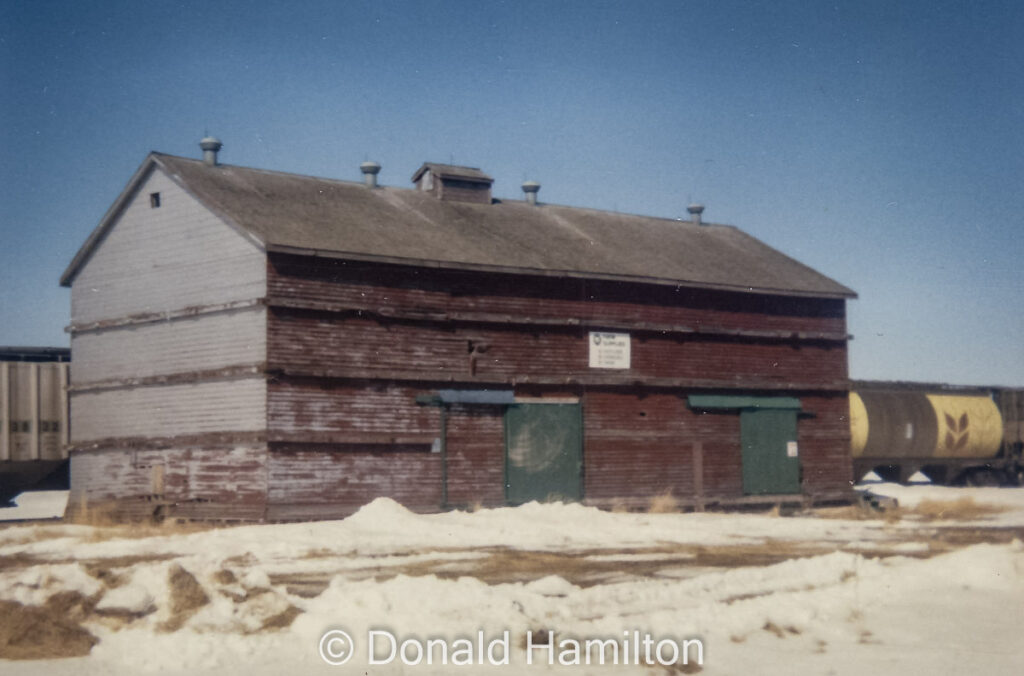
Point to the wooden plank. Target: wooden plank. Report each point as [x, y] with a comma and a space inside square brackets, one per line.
[65, 411]
[380, 438]
[143, 318]
[443, 380]
[232, 372]
[698, 476]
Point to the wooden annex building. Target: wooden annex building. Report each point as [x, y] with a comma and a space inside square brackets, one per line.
[257, 345]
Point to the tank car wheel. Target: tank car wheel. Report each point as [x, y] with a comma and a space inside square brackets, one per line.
[982, 478]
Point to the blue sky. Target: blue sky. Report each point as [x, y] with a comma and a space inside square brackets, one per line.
[879, 142]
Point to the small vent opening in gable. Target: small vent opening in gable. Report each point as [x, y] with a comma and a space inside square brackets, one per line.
[154, 200]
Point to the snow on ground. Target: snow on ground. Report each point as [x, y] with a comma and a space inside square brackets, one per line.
[764, 594]
[911, 495]
[36, 505]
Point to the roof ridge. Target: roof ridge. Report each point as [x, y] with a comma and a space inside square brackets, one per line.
[412, 189]
[318, 215]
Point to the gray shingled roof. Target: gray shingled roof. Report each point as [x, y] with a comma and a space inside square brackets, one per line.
[302, 214]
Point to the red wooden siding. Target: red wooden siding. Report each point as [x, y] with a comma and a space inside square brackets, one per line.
[373, 439]
[642, 444]
[476, 455]
[825, 442]
[314, 410]
[338, 344]
[351, 345]
[314, 481]
[374, 287]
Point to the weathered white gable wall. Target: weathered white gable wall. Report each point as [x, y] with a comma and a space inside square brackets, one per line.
[204, 280]
[189, 344]
[161, 260]
[169, 410]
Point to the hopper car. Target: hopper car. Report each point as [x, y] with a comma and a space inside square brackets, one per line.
[954, 435]
[33, 419]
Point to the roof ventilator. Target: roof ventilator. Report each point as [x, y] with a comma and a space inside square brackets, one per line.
[211, 146]
[370, 170]
[531, 188]
[695, 211]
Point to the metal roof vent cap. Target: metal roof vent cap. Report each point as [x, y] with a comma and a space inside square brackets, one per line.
[370, 170]
[531, 188]
[695, 211]
[211, 146]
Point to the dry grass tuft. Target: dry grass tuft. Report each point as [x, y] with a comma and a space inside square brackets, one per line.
[224, 576]
[110, 522]
[961, 509]
[105, 574]
[34, 633]
[666, 503]
[72, 605]
[319, 553]
[20, 534]
[537, 637]
[848, 513]
[619, 506]
[686, 668]
[282, 620]
[20, 560]
[143, 529]
[187, 596]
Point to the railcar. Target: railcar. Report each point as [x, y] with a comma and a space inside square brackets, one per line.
[33, 419]
[952, 434]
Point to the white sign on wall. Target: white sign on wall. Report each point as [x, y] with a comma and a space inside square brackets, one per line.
[609, 350]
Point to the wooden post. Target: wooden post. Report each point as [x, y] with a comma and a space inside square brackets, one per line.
[65, 403]
[698, 476]
[444, 457]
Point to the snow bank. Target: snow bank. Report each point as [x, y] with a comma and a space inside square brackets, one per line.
[207, 602]
[36, 505]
